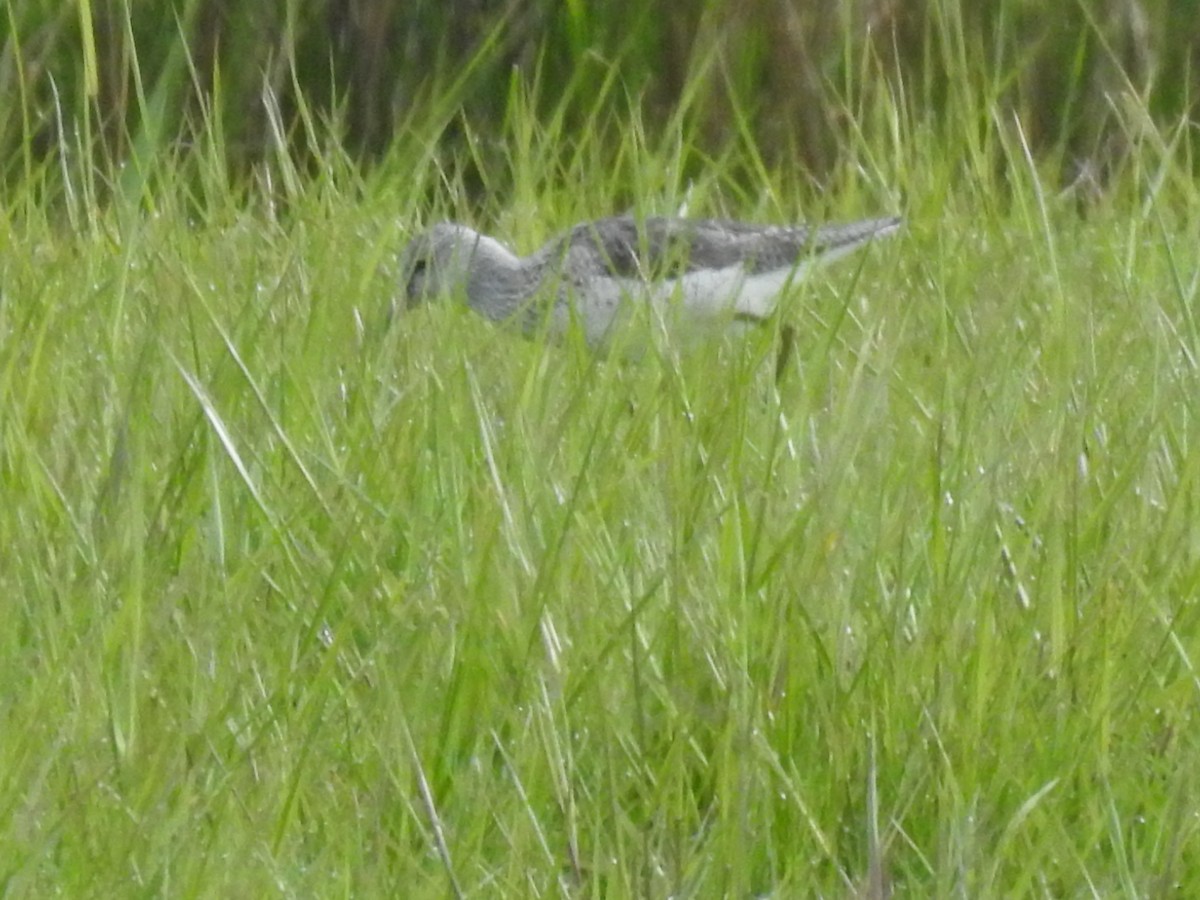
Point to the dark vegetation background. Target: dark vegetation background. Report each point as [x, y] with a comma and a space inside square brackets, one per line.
[112, 78]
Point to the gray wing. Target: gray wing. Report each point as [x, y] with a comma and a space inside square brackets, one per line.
[666, 248]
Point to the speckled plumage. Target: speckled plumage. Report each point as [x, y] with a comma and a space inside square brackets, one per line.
[693, 271]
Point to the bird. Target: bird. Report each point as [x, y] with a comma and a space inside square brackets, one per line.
[691, 274]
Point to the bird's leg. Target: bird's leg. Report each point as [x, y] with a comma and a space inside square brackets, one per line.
[787, 343]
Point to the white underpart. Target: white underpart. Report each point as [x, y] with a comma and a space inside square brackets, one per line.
[713, 293]
[698, 302]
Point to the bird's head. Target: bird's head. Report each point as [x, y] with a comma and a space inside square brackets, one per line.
[437, 263]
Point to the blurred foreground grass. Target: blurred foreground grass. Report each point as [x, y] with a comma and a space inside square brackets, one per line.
[298, 604]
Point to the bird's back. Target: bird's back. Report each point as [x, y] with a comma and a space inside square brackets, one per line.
[659, 248]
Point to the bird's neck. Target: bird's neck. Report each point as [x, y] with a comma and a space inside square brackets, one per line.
[499, 282]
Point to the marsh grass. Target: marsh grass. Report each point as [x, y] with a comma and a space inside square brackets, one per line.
[300, 604]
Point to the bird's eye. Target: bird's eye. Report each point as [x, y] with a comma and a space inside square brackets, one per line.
[417, 271]
[415, 289]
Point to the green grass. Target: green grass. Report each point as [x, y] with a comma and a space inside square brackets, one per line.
[298, 605]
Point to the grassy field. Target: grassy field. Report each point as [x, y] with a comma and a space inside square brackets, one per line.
[298, 604]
